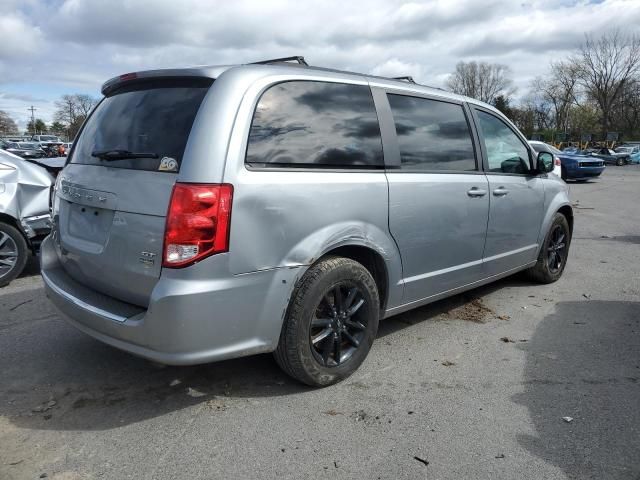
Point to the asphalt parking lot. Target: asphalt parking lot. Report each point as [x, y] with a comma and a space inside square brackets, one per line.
[471, 387]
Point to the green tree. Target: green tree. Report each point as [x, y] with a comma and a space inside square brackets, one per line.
[39, 127]
[501, 102]
[58, 128]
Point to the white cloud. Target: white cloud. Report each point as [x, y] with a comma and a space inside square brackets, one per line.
[18, 37]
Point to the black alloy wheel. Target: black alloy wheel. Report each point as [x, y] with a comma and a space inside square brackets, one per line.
[330, 323]
[337, 328]
[557, 249]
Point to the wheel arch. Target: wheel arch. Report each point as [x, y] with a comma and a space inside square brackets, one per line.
[8, 219]
[567, 211]
[370, 259]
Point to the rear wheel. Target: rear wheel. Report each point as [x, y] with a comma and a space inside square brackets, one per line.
[554, 252]
[620, 162]
[13, 253]
[331, 322]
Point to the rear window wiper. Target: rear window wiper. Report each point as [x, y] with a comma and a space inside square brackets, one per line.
[109, 155]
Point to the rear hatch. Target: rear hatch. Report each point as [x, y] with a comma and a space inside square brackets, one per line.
[115, 190]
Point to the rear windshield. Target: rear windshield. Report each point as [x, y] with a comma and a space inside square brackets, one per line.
[145, 117]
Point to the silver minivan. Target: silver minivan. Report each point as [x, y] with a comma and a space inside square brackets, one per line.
[214, 212]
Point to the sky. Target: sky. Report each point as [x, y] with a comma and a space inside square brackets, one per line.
[49, 48]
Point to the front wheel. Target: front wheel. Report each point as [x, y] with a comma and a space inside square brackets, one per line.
[14, 253]
[620, 162]
[554, 252]
[330, 324]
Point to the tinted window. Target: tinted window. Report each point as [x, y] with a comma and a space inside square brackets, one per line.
[538, 147]
[432, 135]
[505, 151]
[148, 117]
[315, 124]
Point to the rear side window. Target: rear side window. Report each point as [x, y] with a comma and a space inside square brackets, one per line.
[148, 117]
[315, 124]
[432, 135]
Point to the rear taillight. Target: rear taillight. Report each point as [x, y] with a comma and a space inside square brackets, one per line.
[198, 223]
[556, 161]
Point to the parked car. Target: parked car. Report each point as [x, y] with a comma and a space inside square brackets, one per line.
[545, 147]
[285, 208]
[609, 156]
[24, 212]
[23, 149]
[43, 139]
[580, 166]
[574, 165]
[633, 151]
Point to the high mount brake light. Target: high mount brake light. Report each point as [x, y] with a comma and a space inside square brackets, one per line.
[197, 224]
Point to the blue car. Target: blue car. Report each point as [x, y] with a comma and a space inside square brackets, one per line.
[580, 166]
[632, 150]
[575, 164]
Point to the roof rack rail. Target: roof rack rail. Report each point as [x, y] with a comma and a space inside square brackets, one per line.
[297, 58]
[406, 78]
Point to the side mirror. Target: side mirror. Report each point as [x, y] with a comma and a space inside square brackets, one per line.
[544, 163]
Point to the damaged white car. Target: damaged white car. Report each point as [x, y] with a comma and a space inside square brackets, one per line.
[25, 190]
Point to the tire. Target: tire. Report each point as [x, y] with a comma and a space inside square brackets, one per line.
[619, 162]
[14, 253]
[563, 173]
[548, 270]
[309, 352]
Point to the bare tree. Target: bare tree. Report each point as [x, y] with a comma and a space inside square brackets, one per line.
[72, 110]
[66, 110]
[7, 125]
[559, 90]
[605, 65]
[481, 80]
[84, 104]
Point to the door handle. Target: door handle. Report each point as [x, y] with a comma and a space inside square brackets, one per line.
[476, 192]
[500, 192]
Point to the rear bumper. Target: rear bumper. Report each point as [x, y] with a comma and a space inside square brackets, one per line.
[187, 321]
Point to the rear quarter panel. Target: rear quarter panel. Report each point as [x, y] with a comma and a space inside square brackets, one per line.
[290, 217]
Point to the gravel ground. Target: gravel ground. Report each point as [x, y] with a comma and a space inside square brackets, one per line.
[475, 386]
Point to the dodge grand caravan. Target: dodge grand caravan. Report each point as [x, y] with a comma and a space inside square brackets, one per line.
[215, 212]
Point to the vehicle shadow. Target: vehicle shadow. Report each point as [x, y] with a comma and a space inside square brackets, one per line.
[31, 268]
[56, 378]
[583, 362]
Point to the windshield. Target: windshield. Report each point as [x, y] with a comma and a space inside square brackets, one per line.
[553, 149]
[48, 138]
[623, 150]
[154, 117]
[29, 146]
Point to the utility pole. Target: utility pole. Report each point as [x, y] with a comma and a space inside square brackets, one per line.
[70, 121]
[33, 119]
